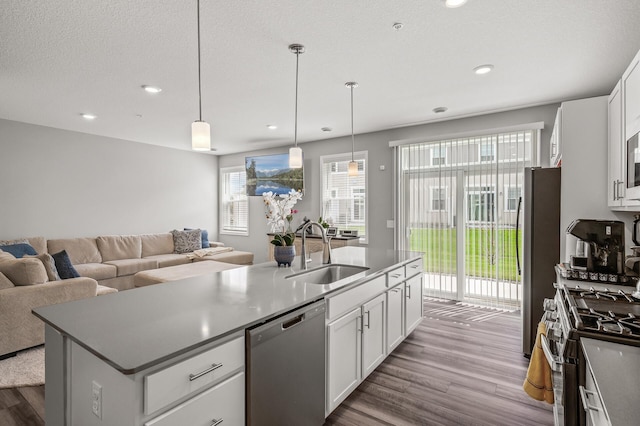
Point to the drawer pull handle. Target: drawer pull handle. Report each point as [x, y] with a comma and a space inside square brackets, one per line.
[395, 290]
[408, 292]
[395, 276]
[368, 319]
[193, 377]
[215, 422]
[413, 266]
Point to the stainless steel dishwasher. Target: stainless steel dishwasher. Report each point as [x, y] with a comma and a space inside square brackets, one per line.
[286, 369]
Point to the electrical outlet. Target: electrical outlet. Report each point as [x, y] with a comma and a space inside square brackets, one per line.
[96, 399]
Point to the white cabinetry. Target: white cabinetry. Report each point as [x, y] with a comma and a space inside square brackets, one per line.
[413, 303]
[623, 121]
[631, 90]
[365, 323]
[395, 316]
[617, 174]
[555, 152]
[204, 386]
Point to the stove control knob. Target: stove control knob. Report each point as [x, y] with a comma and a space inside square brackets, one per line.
[549, 305]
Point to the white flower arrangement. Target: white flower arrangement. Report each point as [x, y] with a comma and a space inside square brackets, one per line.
[278, 208]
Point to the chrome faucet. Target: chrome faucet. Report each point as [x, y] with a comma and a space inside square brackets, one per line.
[326, 247]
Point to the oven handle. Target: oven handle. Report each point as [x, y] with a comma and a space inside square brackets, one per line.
[585, 399]
[551, 359]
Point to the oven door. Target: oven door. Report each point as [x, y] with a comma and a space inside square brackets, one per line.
[557, 377]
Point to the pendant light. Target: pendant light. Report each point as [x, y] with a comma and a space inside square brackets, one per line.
[200, 130]
[295, 152]
[353, 164]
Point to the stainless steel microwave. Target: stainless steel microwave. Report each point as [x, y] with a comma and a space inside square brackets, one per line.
[633, 168]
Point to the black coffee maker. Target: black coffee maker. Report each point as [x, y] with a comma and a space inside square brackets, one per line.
[600, 246]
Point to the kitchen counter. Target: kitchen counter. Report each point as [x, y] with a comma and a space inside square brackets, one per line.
[137, 329]
[615, 371]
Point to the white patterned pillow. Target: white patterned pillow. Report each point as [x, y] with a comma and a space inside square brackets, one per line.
[186, 241]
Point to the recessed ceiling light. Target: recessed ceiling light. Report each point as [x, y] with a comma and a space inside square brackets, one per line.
[483, 69]
[439, 110]
[88, 116]
[454, 3]
[152, 89]
[271, 126]
[326, 129]
[398, 26]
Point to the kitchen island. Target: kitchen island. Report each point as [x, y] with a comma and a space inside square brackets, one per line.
[106, 356]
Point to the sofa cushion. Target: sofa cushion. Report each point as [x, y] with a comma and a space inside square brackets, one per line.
[171, 259]
[154, 244]
[19, 249]
[25, 271]
[4, 256]
[49, 266]
[80, 250]
[103, 289]
[235, 257]
[117, 247]
[204, 236]
[97, 271]
[5, 282]
[186, 241]
[131, 266]
[38, 243]
[64, 266]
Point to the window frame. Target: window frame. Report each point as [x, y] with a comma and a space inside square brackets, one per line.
[508, 187]
[432, 189]
[362, 157]
[223, 202]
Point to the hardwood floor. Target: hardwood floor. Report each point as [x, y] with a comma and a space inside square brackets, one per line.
[461, 366]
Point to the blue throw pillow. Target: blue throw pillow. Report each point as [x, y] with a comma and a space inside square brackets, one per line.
[19, 250]
[64, 266]
[205, 237]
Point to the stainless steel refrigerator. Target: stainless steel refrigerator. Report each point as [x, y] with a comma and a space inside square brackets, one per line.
[540, 211]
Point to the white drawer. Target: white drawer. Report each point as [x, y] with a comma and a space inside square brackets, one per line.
[181, 379]
[221, 405]
[414, 267]
[396, 276]
[343, 302]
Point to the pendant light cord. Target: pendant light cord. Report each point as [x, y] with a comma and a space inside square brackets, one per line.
[295, 131]
[199, 82]
[353, 143]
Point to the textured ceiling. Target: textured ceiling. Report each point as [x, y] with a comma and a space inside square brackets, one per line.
[59, 58]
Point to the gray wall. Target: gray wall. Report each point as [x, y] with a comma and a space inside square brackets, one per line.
[57, 183]
[381, 183]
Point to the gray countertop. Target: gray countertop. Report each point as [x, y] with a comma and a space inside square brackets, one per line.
[136, 329]
[615, 371]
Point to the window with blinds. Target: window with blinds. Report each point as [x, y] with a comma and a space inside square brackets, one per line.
[344, 197]
[234, 203]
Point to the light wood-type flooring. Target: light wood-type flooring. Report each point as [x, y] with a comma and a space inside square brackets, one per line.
[462, 366]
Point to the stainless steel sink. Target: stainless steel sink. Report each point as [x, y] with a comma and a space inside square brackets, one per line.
[327, 274]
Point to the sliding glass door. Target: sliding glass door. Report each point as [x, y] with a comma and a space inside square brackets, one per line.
[458, 204]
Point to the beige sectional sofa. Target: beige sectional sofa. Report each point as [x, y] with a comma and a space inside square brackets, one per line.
[113, 260]
[26, 286]
[105, 264]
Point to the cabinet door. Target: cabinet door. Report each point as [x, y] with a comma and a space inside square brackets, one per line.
[395, 317]
[631, 88]
[345, 351]
[617, 176]
[373, 343]
[413, 303]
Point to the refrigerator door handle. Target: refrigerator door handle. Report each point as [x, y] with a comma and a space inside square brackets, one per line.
[517, 239]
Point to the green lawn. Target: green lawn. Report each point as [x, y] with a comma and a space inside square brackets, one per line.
[482, 252]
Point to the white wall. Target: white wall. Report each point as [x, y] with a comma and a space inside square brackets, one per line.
[57, 183]
[381, 183]
[584, 167]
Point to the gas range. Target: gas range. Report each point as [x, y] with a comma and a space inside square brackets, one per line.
[597, 310]
[606, 312]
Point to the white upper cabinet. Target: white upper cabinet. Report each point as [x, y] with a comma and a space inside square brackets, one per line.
[555, 152]
[631, 90]
[624, 122]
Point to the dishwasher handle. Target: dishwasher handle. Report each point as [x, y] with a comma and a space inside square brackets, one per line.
[285, 323]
